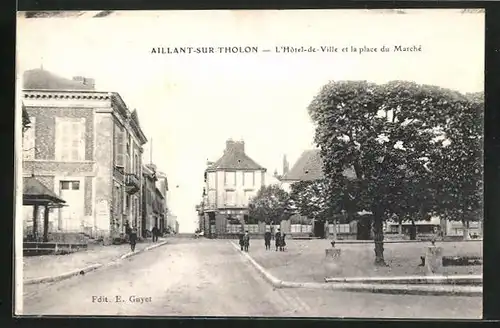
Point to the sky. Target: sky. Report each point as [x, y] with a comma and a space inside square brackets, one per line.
[189, 105]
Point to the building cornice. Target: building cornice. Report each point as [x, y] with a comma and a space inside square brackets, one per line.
[66, 94]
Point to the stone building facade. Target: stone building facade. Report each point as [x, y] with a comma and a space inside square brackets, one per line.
[230, 182]
[87, 146]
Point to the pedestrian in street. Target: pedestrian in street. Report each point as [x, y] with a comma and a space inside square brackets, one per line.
[246, 241]
[267, 240]
[241, 241]
[277, 239]
[155, 232]
[133, 239]
[283, 242]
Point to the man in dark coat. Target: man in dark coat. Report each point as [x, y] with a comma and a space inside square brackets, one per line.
[267, 240]
[277, 239]
[133, 239]
[241, 240]
[155, 233]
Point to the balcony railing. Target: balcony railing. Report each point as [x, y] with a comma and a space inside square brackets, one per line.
[132, 182]
[118, 172]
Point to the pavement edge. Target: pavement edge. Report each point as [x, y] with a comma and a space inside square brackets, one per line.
[89, 268]
[434, 290]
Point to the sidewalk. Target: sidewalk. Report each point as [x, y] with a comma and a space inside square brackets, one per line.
[55, 265]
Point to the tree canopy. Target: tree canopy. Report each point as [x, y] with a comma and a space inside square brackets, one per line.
[271, 204]
[397, 139]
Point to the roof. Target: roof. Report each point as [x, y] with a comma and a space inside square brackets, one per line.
[40, 79]
[235, 159]
[36, 192]
[308, 167]
[135, 117]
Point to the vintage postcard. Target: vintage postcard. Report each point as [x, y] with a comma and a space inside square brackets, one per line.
[262, 163]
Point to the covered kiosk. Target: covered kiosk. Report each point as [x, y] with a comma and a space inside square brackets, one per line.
[36, 194]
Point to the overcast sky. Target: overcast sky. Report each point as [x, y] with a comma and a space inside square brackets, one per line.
[190, 104]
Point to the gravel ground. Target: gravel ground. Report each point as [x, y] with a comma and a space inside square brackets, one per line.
[303, 260]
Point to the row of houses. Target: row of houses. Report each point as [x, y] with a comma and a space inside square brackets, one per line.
[85, 147]
[234, 178]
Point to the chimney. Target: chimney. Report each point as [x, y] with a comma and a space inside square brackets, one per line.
[235, 146]
[285, 165]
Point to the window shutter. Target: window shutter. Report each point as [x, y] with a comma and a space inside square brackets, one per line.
[81, 145]
[120, 147]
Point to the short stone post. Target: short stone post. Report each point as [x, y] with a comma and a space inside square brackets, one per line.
[434, 260]
[331, 265]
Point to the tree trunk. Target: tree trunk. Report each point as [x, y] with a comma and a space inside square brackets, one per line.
[466, 234]
[413, 230]
[35, 222]
[400, 229]
[46, 224]
[378, 237]
[334, 233]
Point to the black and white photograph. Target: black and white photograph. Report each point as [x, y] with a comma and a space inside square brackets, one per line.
[250, 163]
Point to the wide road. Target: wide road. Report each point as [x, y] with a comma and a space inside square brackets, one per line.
[203, 277]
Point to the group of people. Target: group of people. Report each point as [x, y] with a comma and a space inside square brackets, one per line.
[132, 236]
[279, 240]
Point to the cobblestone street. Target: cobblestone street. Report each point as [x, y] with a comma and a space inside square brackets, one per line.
[190, 277]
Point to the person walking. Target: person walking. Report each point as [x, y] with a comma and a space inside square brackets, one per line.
[267, 240]
[133, 239]
[155, 233]
[246, 240]
[277, 239]
[283, 242]
[242, 244]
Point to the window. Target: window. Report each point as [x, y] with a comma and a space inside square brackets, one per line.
[29, 141]
[119, 146]
[211, 180]
[230, 178]
[73, 185]
[249, 179]
[70, 139]
[230, 198]
[211, 197]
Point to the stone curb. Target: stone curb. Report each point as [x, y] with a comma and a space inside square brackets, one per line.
[457, 280]
[62, 276]
[399, 241]
[130, 254]
[88, 268]
[436, 290]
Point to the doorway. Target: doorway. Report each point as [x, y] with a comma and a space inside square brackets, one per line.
[319, 229]
[71, 215]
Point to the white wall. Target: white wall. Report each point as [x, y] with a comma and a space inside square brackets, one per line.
[233, 188]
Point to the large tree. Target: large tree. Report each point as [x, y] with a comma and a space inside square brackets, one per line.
[458, 167]
[385, 133]
[271, 205]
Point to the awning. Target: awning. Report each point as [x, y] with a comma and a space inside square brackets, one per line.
[36, 193]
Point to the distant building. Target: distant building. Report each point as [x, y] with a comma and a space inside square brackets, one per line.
[149, 212]
[162, 186]
[86, 146]
[172, 224]
[230, 182]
